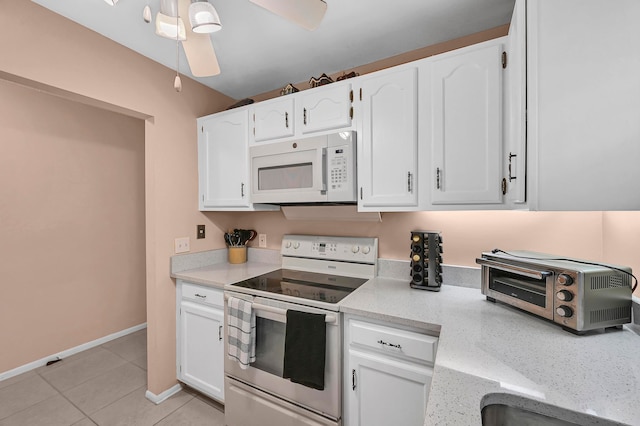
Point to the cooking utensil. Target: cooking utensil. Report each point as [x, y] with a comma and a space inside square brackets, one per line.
[239, 237]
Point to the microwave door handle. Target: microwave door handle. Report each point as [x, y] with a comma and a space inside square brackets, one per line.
[325, 166]
[538, 275]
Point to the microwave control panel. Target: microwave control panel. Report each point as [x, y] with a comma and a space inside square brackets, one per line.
[338, 168]
[341, 167]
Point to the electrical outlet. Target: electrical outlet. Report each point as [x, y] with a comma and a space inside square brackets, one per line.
[182, 245]
[262, 240]
[200, 231]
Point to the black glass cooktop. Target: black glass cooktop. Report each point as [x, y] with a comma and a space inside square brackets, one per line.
[306, 285]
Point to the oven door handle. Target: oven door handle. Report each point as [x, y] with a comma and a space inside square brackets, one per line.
[329, 318]
[538, 275]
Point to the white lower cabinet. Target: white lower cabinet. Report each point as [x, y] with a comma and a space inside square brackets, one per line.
[387, 374]
[200, 338]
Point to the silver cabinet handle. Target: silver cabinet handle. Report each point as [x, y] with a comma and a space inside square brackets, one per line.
[242, 189]
[361, 193]
[511, 177]
[219, 333]
[409, 182]
[353, 379]
[201, 296]
[286, 120]
[438, 178]
[304, 116]
[383, 343]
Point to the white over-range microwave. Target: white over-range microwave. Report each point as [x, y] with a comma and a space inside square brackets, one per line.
[318, 169]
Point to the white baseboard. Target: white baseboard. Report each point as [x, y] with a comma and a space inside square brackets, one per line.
[157, 399]
[66, 353]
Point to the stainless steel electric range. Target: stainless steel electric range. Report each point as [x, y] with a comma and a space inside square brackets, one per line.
[317, 273]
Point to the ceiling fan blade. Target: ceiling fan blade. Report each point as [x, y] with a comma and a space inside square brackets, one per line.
[306, 13]
[198, 48]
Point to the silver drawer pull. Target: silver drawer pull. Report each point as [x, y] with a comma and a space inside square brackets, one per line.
[200, 296]
[389, 344]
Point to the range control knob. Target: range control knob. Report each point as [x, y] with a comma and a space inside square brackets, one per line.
[296, 245]
[565, 279]
[287, 244]
[366, 249]
[355, 249]
[564, 311]
[564, 295]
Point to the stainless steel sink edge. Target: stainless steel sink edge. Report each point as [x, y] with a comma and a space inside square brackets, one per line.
[545, 409]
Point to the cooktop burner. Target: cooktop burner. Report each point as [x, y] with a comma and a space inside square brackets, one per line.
[306, 285]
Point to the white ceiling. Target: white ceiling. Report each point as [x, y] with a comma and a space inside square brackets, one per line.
[259, 51]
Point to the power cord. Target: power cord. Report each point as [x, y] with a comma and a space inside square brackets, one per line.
[633, 288]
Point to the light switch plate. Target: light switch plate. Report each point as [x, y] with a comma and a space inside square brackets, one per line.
[262, 240]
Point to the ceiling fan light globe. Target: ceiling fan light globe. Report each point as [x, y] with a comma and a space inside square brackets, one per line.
[166, 27]
[204, 18]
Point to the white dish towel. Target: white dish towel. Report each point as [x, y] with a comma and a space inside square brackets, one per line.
[241, 331]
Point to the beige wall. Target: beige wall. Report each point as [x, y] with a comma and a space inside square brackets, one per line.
[71, 207]
[71, 61]
[601, 236]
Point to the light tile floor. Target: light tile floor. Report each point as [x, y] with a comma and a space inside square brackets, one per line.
[102, 386]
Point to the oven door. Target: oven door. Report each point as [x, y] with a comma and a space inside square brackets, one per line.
[528, 288]
[267, 371]
[289, 172]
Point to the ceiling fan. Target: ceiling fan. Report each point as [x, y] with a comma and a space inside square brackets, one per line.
[194, 32]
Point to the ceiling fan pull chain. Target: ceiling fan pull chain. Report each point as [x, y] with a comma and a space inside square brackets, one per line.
[177, 83]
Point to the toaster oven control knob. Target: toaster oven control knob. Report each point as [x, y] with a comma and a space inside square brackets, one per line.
[296, 245]
[564, 311]
[355, 249]
[564, 295]
[565, 279]
[287, 244]
[366, 249]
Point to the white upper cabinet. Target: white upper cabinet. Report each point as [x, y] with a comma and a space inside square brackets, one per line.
[388, 141]
[273, 119]
[466, 125]
[583, 102]
[223, 162]
[325, 108]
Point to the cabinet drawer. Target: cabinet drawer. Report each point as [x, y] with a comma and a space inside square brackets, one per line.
[393, 340]
[209, 296]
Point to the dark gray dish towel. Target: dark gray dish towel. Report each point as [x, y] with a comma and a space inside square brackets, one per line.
[305, 344]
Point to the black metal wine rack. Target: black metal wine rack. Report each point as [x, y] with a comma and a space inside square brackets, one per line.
[426, 260]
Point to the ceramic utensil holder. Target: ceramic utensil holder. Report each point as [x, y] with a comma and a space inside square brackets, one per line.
[238, 254]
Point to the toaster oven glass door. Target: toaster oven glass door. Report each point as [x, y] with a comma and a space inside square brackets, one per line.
[524, 288]
[526, 291]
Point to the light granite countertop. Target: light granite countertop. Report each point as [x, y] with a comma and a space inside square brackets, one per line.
[211, 268]
[493, 348]
[484, 348]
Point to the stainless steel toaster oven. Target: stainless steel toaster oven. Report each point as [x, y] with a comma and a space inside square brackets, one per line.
[578, 295]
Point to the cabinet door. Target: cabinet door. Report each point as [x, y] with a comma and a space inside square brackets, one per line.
[201, 348]
[327, 107]
[385, 391]
[583, 103]
[466, 96]
[387, 159]
[273, 119]
[223, 162]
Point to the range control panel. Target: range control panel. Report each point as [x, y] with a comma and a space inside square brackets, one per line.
[346, 249]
